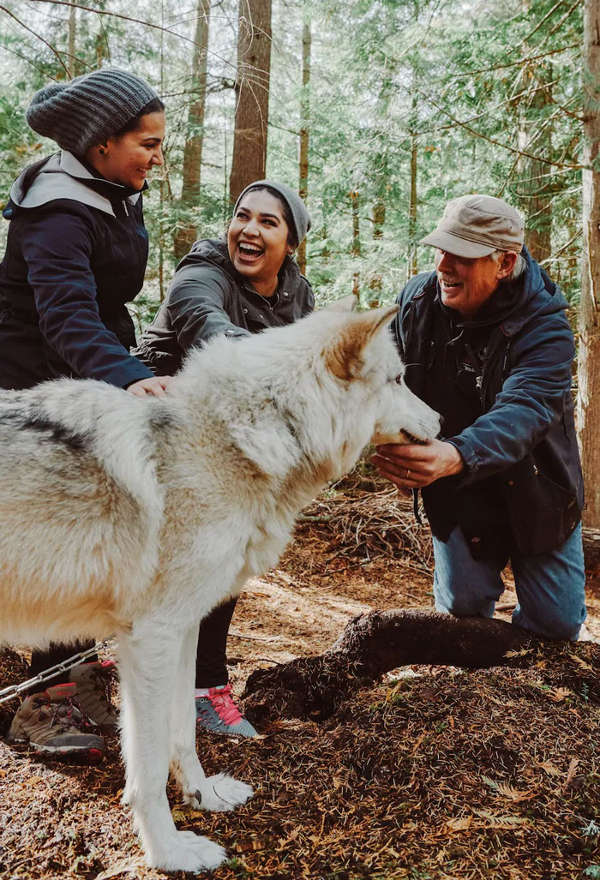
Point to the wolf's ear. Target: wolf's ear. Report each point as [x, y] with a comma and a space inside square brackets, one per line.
[344, 357]
[345, 304]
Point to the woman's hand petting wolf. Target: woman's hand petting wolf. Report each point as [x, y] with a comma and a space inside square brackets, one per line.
[155, 386]
[412, 465]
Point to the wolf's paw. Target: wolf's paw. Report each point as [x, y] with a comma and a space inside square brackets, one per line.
[186, 851]
[222, 793]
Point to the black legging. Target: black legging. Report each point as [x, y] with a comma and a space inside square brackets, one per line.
[42, 660]
[211, 653]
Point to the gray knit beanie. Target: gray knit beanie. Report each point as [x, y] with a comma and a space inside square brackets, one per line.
[88, 109]
[298, 210]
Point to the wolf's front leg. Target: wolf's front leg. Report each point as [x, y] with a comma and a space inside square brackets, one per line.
[148, 664]
[220, 792]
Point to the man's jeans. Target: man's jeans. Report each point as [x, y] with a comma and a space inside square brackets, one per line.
[550, 587]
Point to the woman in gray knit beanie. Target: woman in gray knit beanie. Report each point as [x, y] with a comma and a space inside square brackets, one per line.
[76, 253]
[231, 287]
[91, 113]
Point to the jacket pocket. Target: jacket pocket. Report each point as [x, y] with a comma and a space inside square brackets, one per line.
[542, 514]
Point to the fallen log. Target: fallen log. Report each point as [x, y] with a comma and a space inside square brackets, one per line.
[377, 642]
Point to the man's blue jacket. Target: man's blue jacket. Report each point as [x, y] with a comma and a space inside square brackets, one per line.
[502, 382]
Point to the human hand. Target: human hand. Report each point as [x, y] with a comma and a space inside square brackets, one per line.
[412, 466]
[155, 386]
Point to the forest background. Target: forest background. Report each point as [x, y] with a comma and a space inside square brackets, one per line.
[378, 111]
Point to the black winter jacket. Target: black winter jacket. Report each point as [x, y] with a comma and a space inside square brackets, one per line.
[76, 253]
[502, 382]
[208, 297]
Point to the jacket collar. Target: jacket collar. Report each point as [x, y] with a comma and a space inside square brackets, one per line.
[63, 176]
[215, 251]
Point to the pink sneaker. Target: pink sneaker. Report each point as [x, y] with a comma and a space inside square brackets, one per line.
[217, 713]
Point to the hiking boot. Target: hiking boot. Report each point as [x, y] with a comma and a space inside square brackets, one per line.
[51, 723]
[94, 682]
[218, 713]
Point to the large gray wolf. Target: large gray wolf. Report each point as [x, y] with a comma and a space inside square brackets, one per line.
[136, 517]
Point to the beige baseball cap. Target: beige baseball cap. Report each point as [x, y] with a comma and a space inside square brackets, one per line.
[476, 225]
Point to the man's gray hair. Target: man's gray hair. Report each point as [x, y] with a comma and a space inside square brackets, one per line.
[518, 268]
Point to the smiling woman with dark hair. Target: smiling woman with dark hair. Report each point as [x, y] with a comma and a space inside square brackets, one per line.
[76, 253]
[231, 287]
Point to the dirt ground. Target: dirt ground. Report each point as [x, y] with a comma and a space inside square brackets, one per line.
[433, 773]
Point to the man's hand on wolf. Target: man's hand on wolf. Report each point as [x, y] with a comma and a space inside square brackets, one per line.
[412, 466]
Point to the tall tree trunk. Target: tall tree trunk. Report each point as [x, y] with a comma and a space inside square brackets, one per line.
[186, 231]
[304, 126]
[101, 41]
[412, 206]
[252, 91]
[411, 267]
[378, 217]
[162, 187]
[72, 41]
[588, 402]
[536, 188]
[356, 249]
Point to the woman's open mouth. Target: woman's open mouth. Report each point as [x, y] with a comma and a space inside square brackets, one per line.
[249, 253]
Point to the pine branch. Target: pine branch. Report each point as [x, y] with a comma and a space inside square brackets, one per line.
[527, 59]
[497, 143]
[542, 21]
[38, 36]
[123, 17]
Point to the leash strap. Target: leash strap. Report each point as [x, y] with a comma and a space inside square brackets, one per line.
[13, 691]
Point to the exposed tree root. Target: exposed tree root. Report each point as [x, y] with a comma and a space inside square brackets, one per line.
[375, 643]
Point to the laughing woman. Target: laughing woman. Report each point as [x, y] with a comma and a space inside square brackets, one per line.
[234, 288]
[76, 253]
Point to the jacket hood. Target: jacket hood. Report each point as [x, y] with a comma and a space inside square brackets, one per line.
[213, 251]
[63, 176]
[539, 296]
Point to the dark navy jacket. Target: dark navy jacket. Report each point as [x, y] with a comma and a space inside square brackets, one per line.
[208, 297]
[502, 382]
[76, 253]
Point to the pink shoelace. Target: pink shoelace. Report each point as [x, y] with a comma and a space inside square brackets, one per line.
[223, 704]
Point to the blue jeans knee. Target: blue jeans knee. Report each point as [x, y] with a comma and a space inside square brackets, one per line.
[550, 587]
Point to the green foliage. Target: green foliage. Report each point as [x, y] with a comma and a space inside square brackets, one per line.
[486, 96]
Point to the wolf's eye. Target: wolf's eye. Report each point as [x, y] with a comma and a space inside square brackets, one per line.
[399, 379]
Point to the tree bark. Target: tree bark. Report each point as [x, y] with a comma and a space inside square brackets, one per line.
[71, 41]
[536, 188]
[412, 207]
[377, 642]
[414, 167]
[356, 248]
[187, 230]
[252, 91]
[381, 165]
[304, 127]
[101, 42]
[588, 401]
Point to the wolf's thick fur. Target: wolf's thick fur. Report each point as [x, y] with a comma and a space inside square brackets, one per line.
[137, 517]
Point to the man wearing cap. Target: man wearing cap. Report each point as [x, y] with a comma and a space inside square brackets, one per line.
[487, 343]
